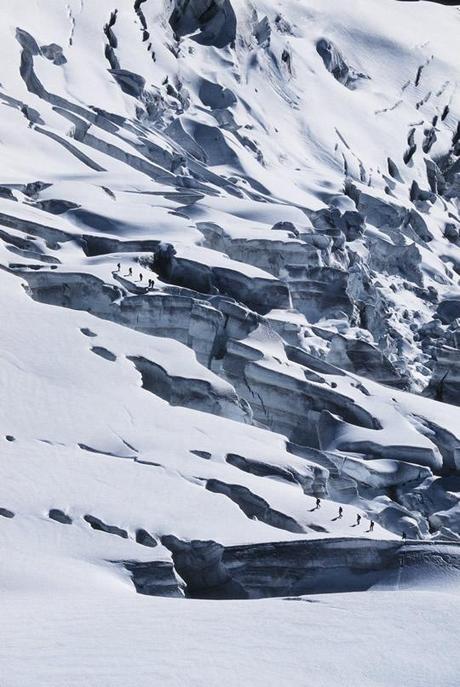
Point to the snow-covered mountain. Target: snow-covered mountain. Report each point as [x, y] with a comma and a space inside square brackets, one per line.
[230, 302]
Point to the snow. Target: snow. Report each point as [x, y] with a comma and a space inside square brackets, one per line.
[380, 638]
[208, 409]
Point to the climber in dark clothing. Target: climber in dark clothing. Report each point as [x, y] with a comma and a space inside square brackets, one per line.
[358, 519]
[318, 503]
[404, 536]
[130, 271]
[140, 276]
[118, 267]
[340, 512]
[371, 526]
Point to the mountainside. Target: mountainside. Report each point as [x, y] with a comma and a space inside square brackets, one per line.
[230, 302]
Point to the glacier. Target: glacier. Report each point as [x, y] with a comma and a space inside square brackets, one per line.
[230, 301]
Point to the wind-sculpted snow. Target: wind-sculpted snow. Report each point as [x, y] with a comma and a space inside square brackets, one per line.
[230, 302]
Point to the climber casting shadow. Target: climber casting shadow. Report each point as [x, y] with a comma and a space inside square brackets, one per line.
[358, 521]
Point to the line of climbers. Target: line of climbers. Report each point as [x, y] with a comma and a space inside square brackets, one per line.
[358, 519]
[151, 282]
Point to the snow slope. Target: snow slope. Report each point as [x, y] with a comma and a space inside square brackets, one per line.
[288, 176]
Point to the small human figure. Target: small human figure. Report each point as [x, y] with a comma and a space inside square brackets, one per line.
[130, 272]
[140, 276]
[118, 267]
[340, 511]
[318, 503]
[358, 519]
[371, 526]
[404, 536]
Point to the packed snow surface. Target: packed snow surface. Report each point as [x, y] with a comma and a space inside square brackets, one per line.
[230, 343]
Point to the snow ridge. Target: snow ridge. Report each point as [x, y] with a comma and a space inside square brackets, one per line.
[229, 282]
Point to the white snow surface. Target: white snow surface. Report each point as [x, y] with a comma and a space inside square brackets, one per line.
[218, 405]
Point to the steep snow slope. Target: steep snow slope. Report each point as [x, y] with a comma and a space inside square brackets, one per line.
[288, 176]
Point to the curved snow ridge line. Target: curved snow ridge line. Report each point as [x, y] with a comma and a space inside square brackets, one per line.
[210, 570]
[312, 478]
[254, 506]
[189, 392]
